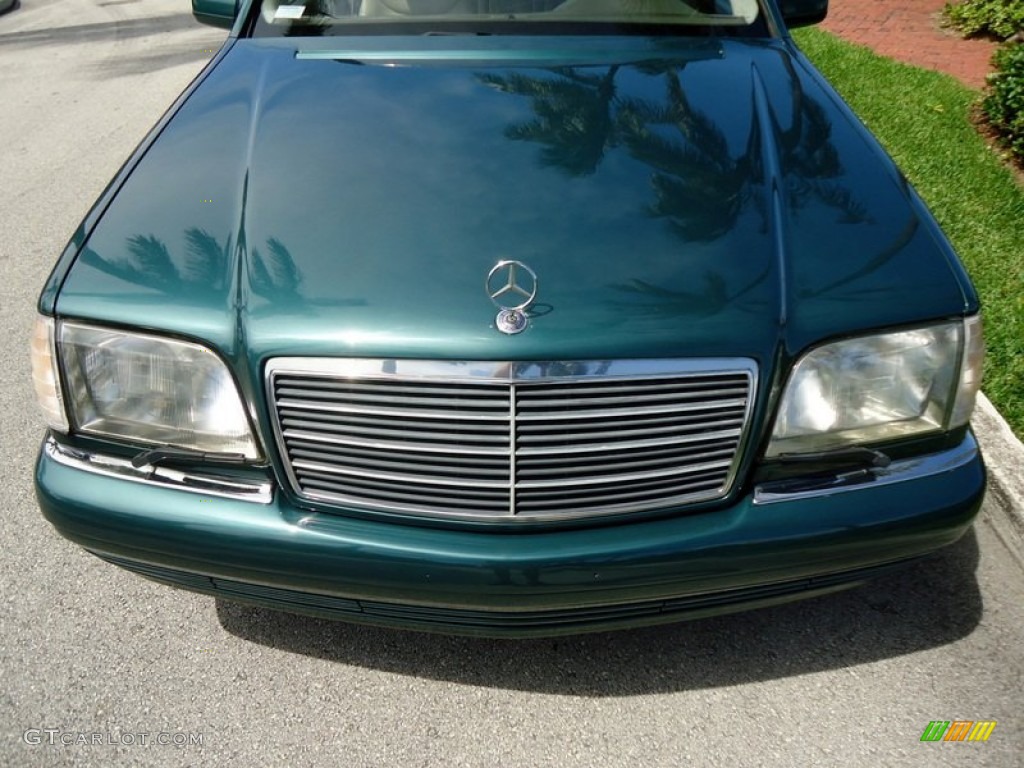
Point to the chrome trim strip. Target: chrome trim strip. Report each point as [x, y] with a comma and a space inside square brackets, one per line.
[643, 401]
[398, 477]
[660, 442]
[491, 372]
[651, 474]
[641, 410]
[384, 445]
[455, 513]
[261, 492]
[406, 413]
[901, 471]
[651, 410]
[513, 452]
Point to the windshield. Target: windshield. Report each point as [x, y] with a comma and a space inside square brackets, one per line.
[317, 17]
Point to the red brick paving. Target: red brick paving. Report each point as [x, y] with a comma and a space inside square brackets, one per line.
[910, 31]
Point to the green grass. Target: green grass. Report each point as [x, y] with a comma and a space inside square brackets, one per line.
[923, 118]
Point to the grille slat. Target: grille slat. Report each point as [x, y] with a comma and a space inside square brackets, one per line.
[394, 413]
[347, 453]
[386, 400]
[410, 434]
[572, 443]
[615, 502]
[615, 465]
[554, 500]
[452, 448]
[653, 410]
[511, 440]
[625, 479]
[409, 500]
[632, 386]
[636, 400]
[647, 424]
[399, 478]
[384, 388]
[372, 464]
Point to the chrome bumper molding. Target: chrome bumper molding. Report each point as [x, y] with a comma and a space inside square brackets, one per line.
[902, 471]
[260, 492]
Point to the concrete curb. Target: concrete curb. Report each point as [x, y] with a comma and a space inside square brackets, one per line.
[1004, 457]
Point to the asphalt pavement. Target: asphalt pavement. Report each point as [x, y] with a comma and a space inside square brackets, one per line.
[100, 667]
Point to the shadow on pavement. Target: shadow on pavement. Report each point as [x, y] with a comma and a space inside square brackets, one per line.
[100, 31]
[928, 605]
[151, 61]
[202, 42]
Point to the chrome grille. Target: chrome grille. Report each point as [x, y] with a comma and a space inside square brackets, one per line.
[525, 440]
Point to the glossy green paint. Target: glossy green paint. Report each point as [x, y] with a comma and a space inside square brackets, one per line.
[279, 545]
[327, 207]
[216, 13]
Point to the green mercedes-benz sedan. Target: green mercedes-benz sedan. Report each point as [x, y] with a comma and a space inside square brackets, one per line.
[509, 317]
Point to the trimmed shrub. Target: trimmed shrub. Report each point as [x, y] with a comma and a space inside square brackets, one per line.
[1004, 103]
[999, 18]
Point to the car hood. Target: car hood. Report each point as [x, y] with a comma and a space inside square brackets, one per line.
[675, 199]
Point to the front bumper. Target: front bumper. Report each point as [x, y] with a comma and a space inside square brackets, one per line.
[765, 548]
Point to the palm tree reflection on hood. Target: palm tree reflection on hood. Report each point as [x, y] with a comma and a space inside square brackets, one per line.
[205, 267]
[275, 277]
[698, 185]
[205, 259]
[575, 121]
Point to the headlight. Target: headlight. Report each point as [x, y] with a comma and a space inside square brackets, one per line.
[152, 390]
[880, 387]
